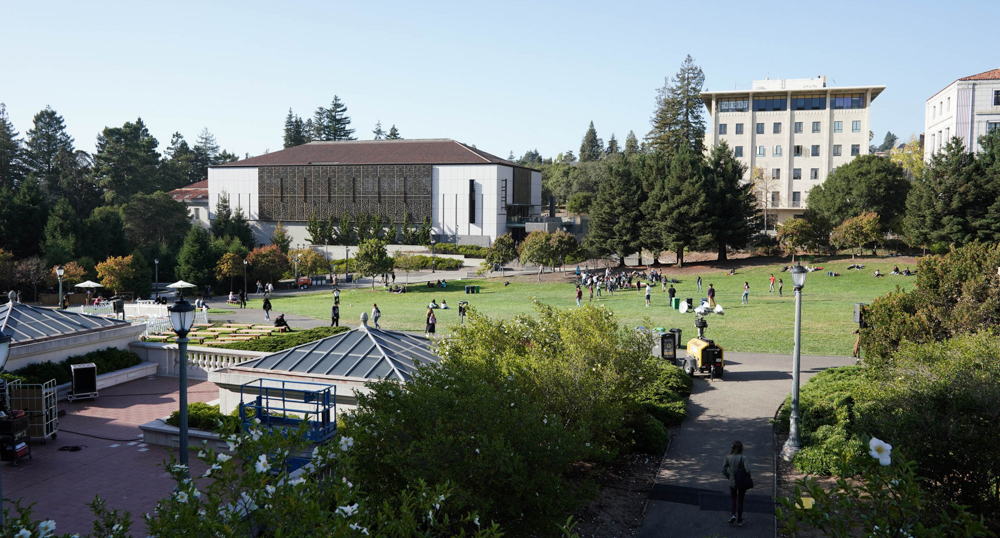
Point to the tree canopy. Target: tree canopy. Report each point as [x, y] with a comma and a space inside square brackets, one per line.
[679, 116]
[866, 184]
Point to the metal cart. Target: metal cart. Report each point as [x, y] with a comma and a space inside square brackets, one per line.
[39, 405]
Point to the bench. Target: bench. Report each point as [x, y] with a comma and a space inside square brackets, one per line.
[239, 325]
[235, 302]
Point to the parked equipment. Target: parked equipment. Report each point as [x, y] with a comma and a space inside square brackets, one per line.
[703, 355]
[39, 403]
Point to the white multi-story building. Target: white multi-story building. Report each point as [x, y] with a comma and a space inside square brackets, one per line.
[794, 132]
[470, 196]
[968, 108]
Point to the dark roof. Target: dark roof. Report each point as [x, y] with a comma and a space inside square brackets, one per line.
[433, 151]
[993, 74]
[24, 323]
[365, 353]
[194, 191]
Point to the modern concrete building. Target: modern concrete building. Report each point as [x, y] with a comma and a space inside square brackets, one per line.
[793, 131]
[968, 108]
[470, 196]
[195, 197]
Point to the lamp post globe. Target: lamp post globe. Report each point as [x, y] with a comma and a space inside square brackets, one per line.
[794, 442]
[59, 273]
[182, 319]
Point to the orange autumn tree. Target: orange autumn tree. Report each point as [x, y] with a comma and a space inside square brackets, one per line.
[230, 265]
[115, 271]
[72, 273]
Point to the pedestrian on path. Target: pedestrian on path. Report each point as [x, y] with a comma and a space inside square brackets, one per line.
[772, 283]
[243, 298]
[335, 315]
[648, 291]
[431, 323]
[711, 295]
[734, 461]
[267, 309]
[579, 295]
[746, 293]
[376, 314]
[699, 283]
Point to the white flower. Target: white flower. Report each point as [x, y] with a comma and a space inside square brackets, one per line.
[23, 533]
[476, 521]
[262, 465]
[545, 421]
[180, 468]
[477, 451]
[222, 457]
[881, 451]
[214, 467]
[296, 481]
[196, 494]
[349, 485]
[357, 527]
[270, 489]
[182, 497]
[201, 453]
[346, 442]
[46, 527]
[348, 510]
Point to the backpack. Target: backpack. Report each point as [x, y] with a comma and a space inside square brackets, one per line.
[742, 477]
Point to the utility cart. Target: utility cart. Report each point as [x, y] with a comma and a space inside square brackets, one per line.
[39, 405]
[14, 441]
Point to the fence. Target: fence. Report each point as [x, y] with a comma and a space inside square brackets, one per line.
[200, 359]
[155, 316]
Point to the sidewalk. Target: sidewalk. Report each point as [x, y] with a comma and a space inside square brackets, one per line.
[690, 497]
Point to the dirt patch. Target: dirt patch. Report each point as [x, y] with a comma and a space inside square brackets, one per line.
[617, 509]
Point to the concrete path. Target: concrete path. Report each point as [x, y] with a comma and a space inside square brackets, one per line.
[690, 498]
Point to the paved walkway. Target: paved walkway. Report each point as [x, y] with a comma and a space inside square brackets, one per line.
[690, 498]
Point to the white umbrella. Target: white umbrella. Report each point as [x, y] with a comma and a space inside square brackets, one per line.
[88, 284]
[180, 284]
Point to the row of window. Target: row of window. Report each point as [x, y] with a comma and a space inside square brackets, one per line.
[797, 151]
[838, 127]
[817, 101]
[796, 173]
[776, 199]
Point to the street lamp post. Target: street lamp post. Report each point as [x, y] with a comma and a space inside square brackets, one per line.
[433, 257]
[59, 273]
[156, 265]
[182, 318]
[245, 264]
[296, 260]
[347, 258]
[794, 443]
[4, 353]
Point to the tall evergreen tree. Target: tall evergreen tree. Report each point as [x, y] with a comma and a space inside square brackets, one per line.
[196, 261]
[679, 116]
[734, 217]
[76, 182]
[43, 143]
[295, 134]
[176, 170]
[338, 122]
[126, 161]
[678, 209]
[104, 234]
[378, 132]
[23, 214]
[612, 146]
[946, 200]
[61, 232]
[631, 144]
[11, 153]
[592, 148]
[206, 153]
[393, 133]
[616, 217]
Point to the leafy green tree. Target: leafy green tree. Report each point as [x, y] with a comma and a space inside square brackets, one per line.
[678, 206]
[889, 142]
[320, 230]
[43, 143]
[406, 262]
[734, 216]
[126, 162]
[857, 232]
[75, 181]
[268, 263]
[155, 218]
[631, 144]
[230, 266]
[295, 131]
[679, 117]
[104, 234]
[592, 148]
[910, 156]
[378, 132]
[60, 234]
[196, 261]
[947, 201]
[12, 169]
[796, 234]
[344, 230]
[281, 238]
[115, 271]
[393, 133]
[563, 244]
[616, 216]
[501, 252]
[229, 223]
[866, 184]
[580, 203]
[538, 249]
[372, 259]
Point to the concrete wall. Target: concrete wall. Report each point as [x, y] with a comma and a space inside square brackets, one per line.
[59, 349]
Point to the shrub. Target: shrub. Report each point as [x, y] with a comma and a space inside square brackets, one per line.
[107, 360]
[650, 436]
[281, 341]
[469, 251]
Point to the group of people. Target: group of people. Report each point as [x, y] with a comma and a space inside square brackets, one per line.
[438, 284]
[239, 299]
[398, 289]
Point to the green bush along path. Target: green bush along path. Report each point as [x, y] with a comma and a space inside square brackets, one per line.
[764, 326]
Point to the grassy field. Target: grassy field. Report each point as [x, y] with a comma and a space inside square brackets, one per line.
[766, 325]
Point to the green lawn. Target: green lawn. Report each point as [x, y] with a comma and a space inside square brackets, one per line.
[766, 325]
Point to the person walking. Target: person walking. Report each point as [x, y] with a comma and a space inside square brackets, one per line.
[736, 461]
[591, 287]
[699, 283]
[376, 314]
[336, 295]
[746, 293]
[648, 291]
[579, 295]
[335, 315]
[711, 295]
[243, 298]
[671, 293]
[780, 286]
[431, 323]
[267, 309]
[772, 283]
[260, 288]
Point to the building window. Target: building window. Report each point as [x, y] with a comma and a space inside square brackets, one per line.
[722, 128]
[798, 127]
[739, 128]
[760, 128]
[815, 150]
[472, 201]
[856, 126]
[775, 199]
[814, 173]
[777, 128]
[949, 105]
[947, 134]
[764, 104]
[776, 173]
[940, 140]
[761, 151]
[848, 100]
[734, 105]
[996, 97]
[815, 101]
[738, 151]
[990, 126]
[796, 199]
[932, 141]
[855, 150]
[838, 126]
[836, 150]
[815, 126]
[196, 215]
[796, 173]
[933, 111]
[777, 151]
[797, 151]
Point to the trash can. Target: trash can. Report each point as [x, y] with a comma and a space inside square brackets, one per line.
[349, 278]
[677, 337]
[665, 347]
[477, 289]
[675, 303]
[468, 290]
[84, 381]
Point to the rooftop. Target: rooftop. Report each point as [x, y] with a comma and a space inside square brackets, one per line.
[992, 74]
[807, 85]
[25, 323]
[358, 152]
[194, 191]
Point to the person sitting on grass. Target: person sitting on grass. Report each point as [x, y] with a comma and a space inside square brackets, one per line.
[444, 304]
[433, 304]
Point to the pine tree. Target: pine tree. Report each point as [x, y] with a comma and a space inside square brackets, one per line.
[11, 155]
[616, 217]
[61, 233]
[378, 132]
[944, 204]
[678, 205]
[126, 161]
[294, 131]
[734, 215]
[631, 144]
[320, 128]
[393, 134]
[338, 122]
[612, 147]
[592, 148]
[176, 168]
[678, 119]
[206, 153]
[43, 142]
[196, 260]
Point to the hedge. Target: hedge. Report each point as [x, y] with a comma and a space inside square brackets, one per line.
[282, 341]
[469, 251]
[106, 360]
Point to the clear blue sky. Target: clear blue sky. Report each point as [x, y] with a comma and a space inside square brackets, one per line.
[503, 75]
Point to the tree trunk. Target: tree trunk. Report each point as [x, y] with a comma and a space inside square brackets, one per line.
[680, 257]
[656, 259]
[722, 251]
[539, 275]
